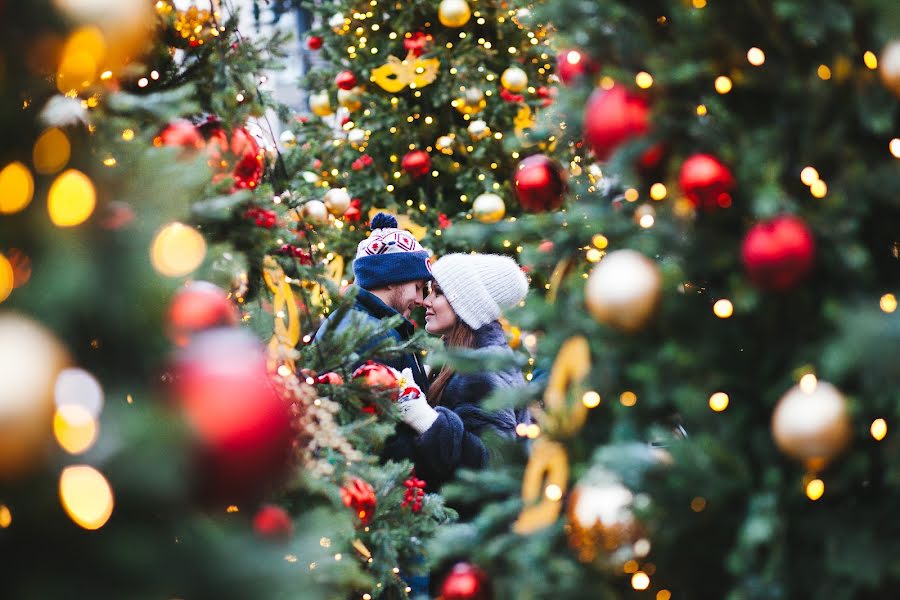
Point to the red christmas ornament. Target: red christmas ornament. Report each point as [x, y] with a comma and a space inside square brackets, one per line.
[241, 425]
[443, 221]
[181, 133]
[539, 184]
[466, 582]
[545, 246]
[378, 376]
[345, 80]
[706, 182]
[572, 65]
[417, 163]
[651, 158]
[415, 492]
[330, 378]
[360, 496]
[314, 42]
[353, 214]
[778, 253]
[273, 523]
[249, 168]
[198, 306]
[418, 43]
[613, 117]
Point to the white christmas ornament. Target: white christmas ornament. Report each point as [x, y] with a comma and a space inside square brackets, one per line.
[315, 211]
[336, 21]
[337, 201]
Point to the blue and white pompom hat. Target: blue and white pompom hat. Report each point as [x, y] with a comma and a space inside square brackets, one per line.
[389, 255]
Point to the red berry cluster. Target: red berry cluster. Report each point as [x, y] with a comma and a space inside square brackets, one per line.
[511, 97]
[545, 93]
[443, 221]
[299, 253]
[415, 492]
[362, 162]
[262, 217]
[360, 496]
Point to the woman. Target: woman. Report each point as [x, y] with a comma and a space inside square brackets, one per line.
[446, 428]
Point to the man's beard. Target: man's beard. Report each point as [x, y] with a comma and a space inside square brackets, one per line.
[396, 299]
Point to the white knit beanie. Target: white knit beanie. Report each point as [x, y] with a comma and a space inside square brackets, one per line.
[479, 286]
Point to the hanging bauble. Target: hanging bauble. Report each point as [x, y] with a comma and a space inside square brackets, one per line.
[337, 200]
[522, 17]
[471, 102]
[706, 182]
[31, 358]
[417, 163]
[350, 99]
[811, 422]
[359, 496]
[613, 117]
[623, 290]
[454, 13]
[465, 581]
[889, 66]
[378, 376]
[602, 525]
[778, 253]
[241, 425]
[337, 22]
[345, 80]
[287, 139]
[198, 306]
[573, 65]
[514, 79]
[478, 129]
[314, 42]
[320, 104]
[444, 144]
[315, 211]
[488, 208]
[539, 184]
[181, 133]
[273, 523]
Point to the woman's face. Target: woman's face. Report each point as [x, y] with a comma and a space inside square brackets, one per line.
[439, 315]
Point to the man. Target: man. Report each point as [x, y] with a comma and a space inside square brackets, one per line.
[392, 271]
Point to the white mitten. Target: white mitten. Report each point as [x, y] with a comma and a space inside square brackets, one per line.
[414, 408]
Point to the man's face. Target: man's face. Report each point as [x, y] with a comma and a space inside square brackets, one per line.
[407, 296]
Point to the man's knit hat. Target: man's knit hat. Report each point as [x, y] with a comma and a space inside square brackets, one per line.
[389, 255]
[480, 286]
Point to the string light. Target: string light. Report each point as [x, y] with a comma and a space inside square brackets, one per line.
[823, 72]
[755, 56]
[894, 147]
[628, 398]
[701, 110]
[818, 189]
[718, 401]
[723, 84]
[888, 303]
[640, 581]
[815, 489]
[658, 191]
[878, 429]
[591, 399]
[809, 175]
[870, 60]
[723, 308]
[643, 80]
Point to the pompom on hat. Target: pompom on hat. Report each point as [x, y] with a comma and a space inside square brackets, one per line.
[389, 255]
[480, 286]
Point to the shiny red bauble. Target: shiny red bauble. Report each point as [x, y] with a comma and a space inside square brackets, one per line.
[466, 582]
[273, 523]
[360, 496]
[241, 426]
[777, 254]
[181, 133]
[345, 80]
[613, 117]
[706, 182]
[573, 65]
[314, 42]
[417, 163]
[539, 184]
[378, 376]
[329, 378]
[196, 307]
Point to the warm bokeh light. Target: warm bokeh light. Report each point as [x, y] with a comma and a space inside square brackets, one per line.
[80, 60]
[77, 387]
[631, 195]
[823, 72]
[809, 175]
[723, 84]
[7, 278]
[630, 566]
[593, 255]
[640, 581]
[5, 516]
[52, 151]
[818, 189]
[591, 399]
[888, 303]
[893, 146]
[878, 429]
[815, 489]
[663, 595]
[808, 383]
[599, 240]
[72, 199]
[553, 492]
[723, 308]
[701, 110]
[698, 504]
[718, 401]
[177, 250]
[698, 3]
[643, 80]
[756, 57]
[16, 188]
[870, 59]
[628, 399]
[658, 191]
[86, 496]
[75, 429]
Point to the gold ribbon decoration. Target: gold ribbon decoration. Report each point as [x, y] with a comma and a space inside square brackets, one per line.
[403, 222]
[413, 72]
[548, 466]
[287, 318]
[572, 365]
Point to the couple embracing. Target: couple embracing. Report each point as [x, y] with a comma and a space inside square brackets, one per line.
[444, 426]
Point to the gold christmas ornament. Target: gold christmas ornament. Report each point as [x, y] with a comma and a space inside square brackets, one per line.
[889, 66]
[623, 290]
[514, 79]
[350, 99]
[478, 129]
[337, 201]
[31, 358]
[488, 208]
[413, 72]
[811, 422]
[315, 211]
[471, 102]
[320, 104]
[602, 525]
[454, 13]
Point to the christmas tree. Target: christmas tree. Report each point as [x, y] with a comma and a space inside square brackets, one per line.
[716, 415]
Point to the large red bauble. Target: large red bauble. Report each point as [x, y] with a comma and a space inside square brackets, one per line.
[273, 523]
[378, 376]
[539, 184]
[778, 253]
[360, 496]
[181, 133]
[241, 425]
[314, 42]
[417, 163]
[613, 117]
[466, 582]
[706, 182]
[345, 80]
[572, 65]
[198, 306]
